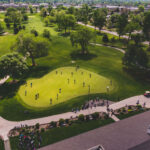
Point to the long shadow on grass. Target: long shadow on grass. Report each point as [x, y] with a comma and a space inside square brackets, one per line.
[37, 71]
[9, 89]
[141, 75]
[77, 55]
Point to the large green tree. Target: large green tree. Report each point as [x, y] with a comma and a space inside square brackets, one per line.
[31, 46]
[1, 28]
[82, 37]
[146, 26]
[13, 65]
[135, 56]
[122, 21]
[99, 18]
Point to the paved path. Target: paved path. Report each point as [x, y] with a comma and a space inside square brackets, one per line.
[4, 80]
[118, 49]
[6, 126]
[109, 32]
[120, 135]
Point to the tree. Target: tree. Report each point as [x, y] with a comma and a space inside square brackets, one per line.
[137, 39]
[32, 46]
[105, 38]
[65, 21]
[81, 117]
[1, 28]
[113, 20]
[46, 34]
[99, 18]
[33, 31]
[131, 27]
[43, 12]
[135, 57]
[141, 8]
[31, 9]
[121, 24]
[146, 26]
[13, 65]
[82, 37]
[85, 13]
[49, 9]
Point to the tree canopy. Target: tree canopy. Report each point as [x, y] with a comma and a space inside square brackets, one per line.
[82, 37]
[13, 65]
[32, 46]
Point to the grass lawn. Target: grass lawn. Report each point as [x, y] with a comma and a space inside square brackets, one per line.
[1, 145]
[72, 85]
[58, 134]
[106, 62]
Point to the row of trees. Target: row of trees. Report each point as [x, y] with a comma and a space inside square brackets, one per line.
[14, 18]
[27, 45]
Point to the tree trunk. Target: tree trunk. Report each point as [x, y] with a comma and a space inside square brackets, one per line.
[65, 30]
[33, 61]
[119, 36]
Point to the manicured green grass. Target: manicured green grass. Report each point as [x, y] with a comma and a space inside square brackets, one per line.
[1, 145]
[5, 43]
[103, 61]
[35, 22]
[57, 134]
[72, 82]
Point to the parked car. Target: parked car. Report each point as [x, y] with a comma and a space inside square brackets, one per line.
[147, 94]
[148, 130]
[98, 147]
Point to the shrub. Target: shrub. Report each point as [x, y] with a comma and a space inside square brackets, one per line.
[46, 34]
[112, 40]
[81, 117]
[95, 115]
[139, 106]
[124, 110]
[129, 107]
[105, 38]
[106, 116]
[23, 27]
[61, 121]
[53, 123]
[42, 129]
[87, 117]
[16, 30]
[33, 31]
[67, 121]
[37, 126]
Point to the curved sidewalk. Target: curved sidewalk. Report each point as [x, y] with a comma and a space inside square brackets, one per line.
[6, 126]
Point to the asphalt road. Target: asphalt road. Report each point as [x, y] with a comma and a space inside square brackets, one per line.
[123, 135]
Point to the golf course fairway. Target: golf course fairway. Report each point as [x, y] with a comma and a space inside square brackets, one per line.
[61, 85]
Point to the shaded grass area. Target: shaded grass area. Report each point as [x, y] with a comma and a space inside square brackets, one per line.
[132, 113]
[57, 134]
[1, 145]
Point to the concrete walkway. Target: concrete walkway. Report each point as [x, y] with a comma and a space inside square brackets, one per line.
[6, 126]
[118, 49]
[2, 81]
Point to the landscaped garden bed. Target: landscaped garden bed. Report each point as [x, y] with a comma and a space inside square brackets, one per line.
[129, 111]
[41, 135]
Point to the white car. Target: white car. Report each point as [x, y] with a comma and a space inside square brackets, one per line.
[97, 147]
[148, 130]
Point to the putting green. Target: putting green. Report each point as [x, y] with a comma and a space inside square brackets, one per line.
[61, 85]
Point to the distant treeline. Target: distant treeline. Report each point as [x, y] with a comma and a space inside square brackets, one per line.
[112, 2]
